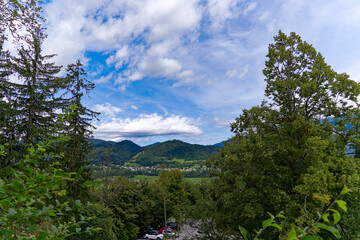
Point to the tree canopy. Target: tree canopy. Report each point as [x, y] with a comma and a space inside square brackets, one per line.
[295, 151]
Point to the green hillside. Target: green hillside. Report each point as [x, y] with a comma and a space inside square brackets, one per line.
[174, 151]
[121, 152]
[166, 151]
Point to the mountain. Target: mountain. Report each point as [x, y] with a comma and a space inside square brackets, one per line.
[158, 153]
[121, 152]
[174, 149]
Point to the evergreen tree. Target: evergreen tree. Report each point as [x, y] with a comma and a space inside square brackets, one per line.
[36, 98]
[78, 126]
[7, 113]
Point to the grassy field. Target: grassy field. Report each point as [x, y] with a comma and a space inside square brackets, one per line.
[144, 177]
[154, 178]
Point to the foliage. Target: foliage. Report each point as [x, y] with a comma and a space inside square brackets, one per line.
[292, 153]
[309, 232]
[77, 126]
[35, 101]
[135, 206]
[172, 182]
[29, 199]
[101, 217]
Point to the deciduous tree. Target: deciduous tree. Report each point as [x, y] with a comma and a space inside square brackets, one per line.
[294, 152]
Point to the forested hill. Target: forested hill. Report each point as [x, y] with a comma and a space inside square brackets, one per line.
[120, 152]
[173, 149]
[127, 151]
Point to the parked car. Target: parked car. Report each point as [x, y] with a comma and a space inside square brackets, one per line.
[170, 232]
[153, 234]
[173, 225]
[162, 229]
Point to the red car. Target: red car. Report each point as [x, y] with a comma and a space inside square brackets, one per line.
[162, 229]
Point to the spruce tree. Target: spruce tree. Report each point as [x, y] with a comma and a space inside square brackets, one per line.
[78, 127]
[7, 113]
[37, 98]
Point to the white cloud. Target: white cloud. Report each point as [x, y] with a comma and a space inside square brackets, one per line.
[222, 10]
[147, 125]
[134, 107]
[119, 58]
[107, 109]
[160, 67]
[104, 79]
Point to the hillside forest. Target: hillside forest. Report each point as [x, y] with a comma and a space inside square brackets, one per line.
[290, 171]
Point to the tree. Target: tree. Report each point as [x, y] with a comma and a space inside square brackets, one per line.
[30, 208]
[291, 153]
[78, 127]
[176, 192]
[7, 114]
[36, 100]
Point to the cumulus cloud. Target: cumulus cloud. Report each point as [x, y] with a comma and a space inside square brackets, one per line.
[146, 36]
[107, 109]
[104, 79]
[147, 125]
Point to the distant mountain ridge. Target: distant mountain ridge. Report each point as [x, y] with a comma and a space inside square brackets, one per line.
[157, 153]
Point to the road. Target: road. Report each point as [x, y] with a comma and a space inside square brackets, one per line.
[186, 233]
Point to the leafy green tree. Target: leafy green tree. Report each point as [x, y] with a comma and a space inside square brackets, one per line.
[175, 191]
[124, 202]
[291, 153]
[28, 200]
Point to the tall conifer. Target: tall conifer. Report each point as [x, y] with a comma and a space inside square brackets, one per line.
[37, 101]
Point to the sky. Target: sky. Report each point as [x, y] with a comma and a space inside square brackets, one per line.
[185, 69]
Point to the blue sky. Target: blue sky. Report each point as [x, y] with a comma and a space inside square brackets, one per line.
[185, 69]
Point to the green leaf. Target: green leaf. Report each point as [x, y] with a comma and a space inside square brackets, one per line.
[342, 205]
[325, 217]
[271, 216]
[78, 229]
[275, 225]
[336, 215]
[243, 232]
[292, 234]
[87, 183]
[345, 190]
[310, 238]
[331, 229]
[267, 222]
